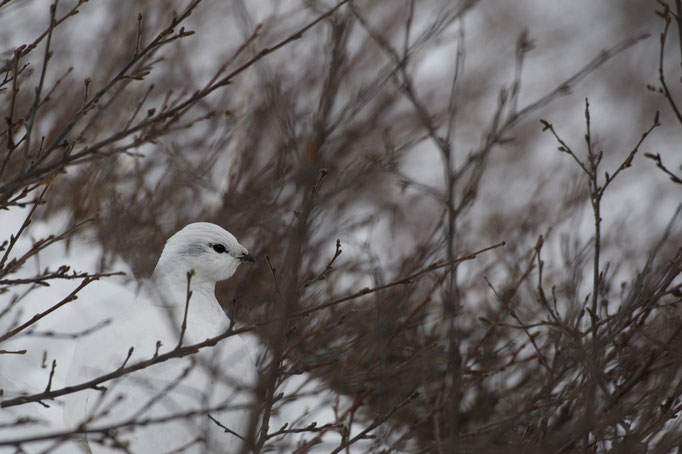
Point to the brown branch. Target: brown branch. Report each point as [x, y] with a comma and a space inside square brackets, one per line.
[70, 297]
[659, 163]
[14, 238]
[226, 429]
[404, 280]
[38, 246]
[661, 72]
[522, 325]
[124, 370]
[61, 273]
[183, 327]
[108, 430]
[37, 172]
[24, 50]
[379, 420]
[154, 45]
[328, 269]
[41, 82]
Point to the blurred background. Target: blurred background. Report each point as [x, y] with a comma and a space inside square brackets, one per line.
[409, 131]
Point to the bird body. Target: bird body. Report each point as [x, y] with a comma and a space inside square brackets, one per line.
[165, 407]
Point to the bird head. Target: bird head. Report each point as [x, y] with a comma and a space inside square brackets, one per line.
[211, 251]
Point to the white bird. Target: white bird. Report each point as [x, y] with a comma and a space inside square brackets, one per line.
[216, 381]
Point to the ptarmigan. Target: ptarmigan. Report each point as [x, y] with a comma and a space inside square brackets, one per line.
[216, 381]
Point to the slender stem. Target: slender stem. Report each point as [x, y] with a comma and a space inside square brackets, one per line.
[661, 72]
[678, 19]
[183, 327]
[39, 88]
[595, 199]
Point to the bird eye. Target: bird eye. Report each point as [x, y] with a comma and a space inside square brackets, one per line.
[219, 248]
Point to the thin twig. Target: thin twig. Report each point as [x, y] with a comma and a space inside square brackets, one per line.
[661, 72]
[379, 420]
[39, 88]
[404, 280]
[183, 327]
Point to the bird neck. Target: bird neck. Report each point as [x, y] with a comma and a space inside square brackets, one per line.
[169, 284]
[168, 291]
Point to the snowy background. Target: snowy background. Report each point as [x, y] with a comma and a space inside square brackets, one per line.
[443, 362]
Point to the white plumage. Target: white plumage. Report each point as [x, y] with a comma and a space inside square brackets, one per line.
[216, 377]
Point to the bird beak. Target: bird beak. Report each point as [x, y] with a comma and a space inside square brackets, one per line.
[246, 258]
